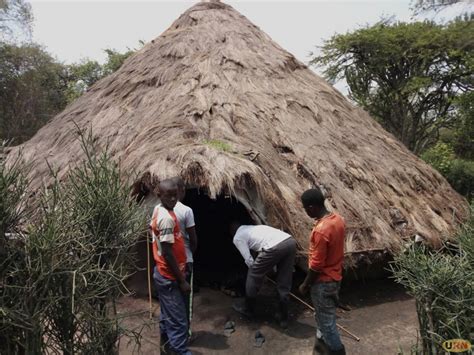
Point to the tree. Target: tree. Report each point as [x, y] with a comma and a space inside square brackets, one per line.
[15, 18]
[463, 138]
[423, 7]
[406, 75]
[427, 5]
[32, 90]
[80, 76]
[34, 86]
[84, 74]
[115, 59]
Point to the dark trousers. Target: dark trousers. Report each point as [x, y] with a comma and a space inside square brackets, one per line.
[283, 256]
[325, 297]
[173, 317]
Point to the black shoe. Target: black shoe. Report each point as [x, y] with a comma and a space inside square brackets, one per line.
[282, 314]
[246, 308]
[338, 352]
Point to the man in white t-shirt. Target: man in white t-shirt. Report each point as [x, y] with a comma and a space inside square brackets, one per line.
[185, 217]
[274, 248]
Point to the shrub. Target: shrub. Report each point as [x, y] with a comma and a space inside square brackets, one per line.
[458, 172]
[440, 157]
[60, 281]
[461, 177]
[442, 283]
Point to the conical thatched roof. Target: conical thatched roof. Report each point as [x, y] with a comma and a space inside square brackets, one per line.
[216, 100]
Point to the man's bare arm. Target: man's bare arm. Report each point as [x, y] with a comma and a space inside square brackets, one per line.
[311, 276]
[192, 238]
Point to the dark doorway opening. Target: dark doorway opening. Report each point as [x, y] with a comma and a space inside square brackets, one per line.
[217, 263]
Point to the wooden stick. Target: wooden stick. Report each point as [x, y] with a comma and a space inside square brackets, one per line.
[149, 275]
[348, 332]
[312, 308]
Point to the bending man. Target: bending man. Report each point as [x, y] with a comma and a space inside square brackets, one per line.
[274, 248]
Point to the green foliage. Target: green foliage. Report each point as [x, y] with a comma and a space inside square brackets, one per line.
[13, 184]
[31, 90]
[406, 75]
[442, 283]
[466, 239]
[218, 145]
[84, 74]
[440, 157]
[115, 60]
[458, 172]
[59, 284]
[34, 87]
[463, 139]
[461, 177]
[80, 76]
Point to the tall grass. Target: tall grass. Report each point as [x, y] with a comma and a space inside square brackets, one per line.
[442, 283]
[61, 279]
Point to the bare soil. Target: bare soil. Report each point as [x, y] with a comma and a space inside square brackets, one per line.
[381, 314]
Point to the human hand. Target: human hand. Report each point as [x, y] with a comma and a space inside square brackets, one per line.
[184, 287]
[303, 288]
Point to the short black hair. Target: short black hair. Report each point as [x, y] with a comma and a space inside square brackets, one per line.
[313, 197]
[166, 184]
[178, 180]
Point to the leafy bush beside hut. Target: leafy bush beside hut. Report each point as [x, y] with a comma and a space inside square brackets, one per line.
[442, 282]
[63, 267]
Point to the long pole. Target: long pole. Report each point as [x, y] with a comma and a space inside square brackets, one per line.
[149, 274]
[312, 308]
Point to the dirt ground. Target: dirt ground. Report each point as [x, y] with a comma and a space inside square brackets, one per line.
[381, 314]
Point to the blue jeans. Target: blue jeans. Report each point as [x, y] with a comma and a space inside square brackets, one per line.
[173, 317]
[325, 296]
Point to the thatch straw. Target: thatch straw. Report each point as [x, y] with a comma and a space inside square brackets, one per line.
[216, 100]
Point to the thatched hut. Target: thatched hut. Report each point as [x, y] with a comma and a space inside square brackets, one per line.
[249, 127]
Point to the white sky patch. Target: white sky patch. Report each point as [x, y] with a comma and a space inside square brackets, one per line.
[72, 30]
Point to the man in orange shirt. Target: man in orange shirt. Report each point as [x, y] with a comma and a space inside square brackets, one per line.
[169, 273]
[326, 256]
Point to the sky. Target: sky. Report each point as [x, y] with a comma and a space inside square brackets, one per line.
[72, 30]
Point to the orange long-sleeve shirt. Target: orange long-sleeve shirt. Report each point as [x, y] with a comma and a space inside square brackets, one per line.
[326, 248]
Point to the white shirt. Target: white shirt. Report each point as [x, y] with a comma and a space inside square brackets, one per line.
[257, 238]
[185, 217]
[164, 224]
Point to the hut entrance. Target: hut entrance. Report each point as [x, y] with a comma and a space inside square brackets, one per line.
[217, 263]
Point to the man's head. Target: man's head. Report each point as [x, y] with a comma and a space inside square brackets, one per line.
[234, 225]
[168, 192]
[313, 202]
[181, 187]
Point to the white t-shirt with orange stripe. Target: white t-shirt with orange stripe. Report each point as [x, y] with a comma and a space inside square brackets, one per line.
[165, 229]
